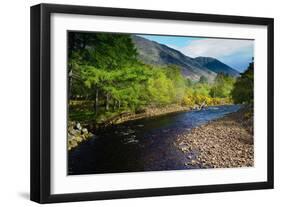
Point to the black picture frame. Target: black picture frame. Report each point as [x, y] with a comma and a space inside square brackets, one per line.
[41, 95]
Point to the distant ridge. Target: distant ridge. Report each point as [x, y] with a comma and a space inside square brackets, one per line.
[153, 53]
[217, 66]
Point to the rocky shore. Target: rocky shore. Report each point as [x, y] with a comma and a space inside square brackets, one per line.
[223, 143]
[76, 134]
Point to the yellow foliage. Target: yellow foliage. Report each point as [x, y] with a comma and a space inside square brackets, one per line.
[188, 101]
[198, 99]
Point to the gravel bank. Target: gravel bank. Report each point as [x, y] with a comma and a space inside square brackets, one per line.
[223, 143]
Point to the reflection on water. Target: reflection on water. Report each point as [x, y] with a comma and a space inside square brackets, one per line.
[141, 145]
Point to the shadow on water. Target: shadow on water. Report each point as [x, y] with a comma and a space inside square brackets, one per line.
[141, 145]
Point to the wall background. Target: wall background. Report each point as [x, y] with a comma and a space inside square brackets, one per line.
[14, 110]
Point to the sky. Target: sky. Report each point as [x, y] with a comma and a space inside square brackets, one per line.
[236, 53]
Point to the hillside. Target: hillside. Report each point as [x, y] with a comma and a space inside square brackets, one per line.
[151, 52]
[217, 66]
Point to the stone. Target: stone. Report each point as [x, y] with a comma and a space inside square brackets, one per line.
[220, 143]
[85, 131]
[193, 162]
[72, 143]
[74, 132]
[78, 126]
[79, 138]
[184, 149]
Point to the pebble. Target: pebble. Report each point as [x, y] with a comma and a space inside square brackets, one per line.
[224, 143]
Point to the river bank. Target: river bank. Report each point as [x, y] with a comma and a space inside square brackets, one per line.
[77, 137]
[76, 134]
[223, 143]
[141, 145]
[154, 111]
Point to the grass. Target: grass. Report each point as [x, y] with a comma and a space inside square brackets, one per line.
[82, 116]
[87, 116]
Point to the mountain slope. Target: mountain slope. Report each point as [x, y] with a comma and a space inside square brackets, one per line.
[217, 66]
[154, 53]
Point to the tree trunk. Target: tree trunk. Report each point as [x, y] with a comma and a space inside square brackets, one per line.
[114, 105]
[69, 83]
[97, 101]
[107, 102]
[119, 104]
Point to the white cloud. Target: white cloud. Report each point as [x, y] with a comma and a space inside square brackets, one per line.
[216, 48]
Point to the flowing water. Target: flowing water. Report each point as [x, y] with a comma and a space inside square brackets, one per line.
[142, 145]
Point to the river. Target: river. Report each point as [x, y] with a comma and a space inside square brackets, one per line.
[142, 145]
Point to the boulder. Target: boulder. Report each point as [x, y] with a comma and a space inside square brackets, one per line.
[85, 131]
[78, 126]
[76, 134]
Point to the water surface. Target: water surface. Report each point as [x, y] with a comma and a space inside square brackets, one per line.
[141, 145]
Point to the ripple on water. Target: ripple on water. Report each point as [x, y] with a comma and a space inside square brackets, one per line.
[141, 145]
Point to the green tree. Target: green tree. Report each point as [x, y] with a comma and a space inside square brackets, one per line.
[97, 56]
[104, 70]
[222, 86]
[174, 74]
[243, 91]
[160, 88]
[203, 79]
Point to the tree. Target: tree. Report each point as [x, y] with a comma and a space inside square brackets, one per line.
[222, 86]
[104, 70]
[97, 55]
[174, 74]
[243, 91]
[203, 79]
[160, 88]
[78, 55]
